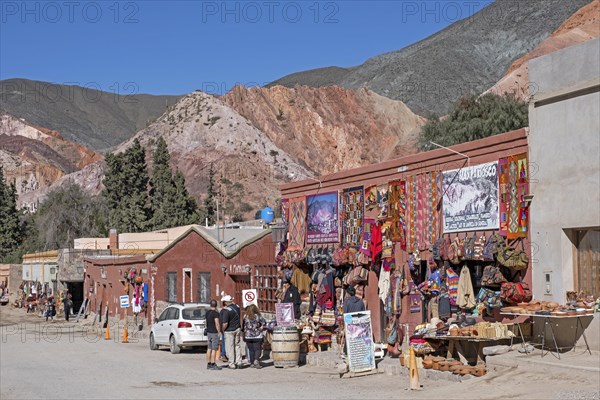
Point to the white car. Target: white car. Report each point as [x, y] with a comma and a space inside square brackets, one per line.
[180, 325]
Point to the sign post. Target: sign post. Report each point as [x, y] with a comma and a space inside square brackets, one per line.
[249, 296]
[124, 302]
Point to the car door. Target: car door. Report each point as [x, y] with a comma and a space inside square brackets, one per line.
[161, 328]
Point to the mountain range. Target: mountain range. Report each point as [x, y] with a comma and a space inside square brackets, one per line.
[467, 57]
[257, 138]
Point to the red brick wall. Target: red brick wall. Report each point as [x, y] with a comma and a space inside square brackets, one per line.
[196, 253]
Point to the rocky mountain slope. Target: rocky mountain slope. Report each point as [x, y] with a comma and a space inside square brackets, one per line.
[93, 118]
[582, 26]
[467, 57]
[329, 129]
[35, 158]
[201, 130]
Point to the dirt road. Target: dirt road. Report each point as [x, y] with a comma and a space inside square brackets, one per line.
[68, 361]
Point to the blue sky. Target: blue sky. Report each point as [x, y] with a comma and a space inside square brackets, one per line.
[180, 46]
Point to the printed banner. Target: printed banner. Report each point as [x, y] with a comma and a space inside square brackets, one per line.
[322, 218]
[359, 341]
[471, 198]
[284, 314]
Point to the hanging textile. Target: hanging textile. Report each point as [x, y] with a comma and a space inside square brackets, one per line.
[414, 299]
[297, 229]
[371, 200]
[382, 198]
[465, 296]
[410, 214]
[365, 237]
[452, 280]
[397, 212]
[436, 206]
[513, 181]
[301, 280]
[351, 207]
[384, 285]
[285, 211]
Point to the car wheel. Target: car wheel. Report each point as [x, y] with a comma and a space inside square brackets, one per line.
[173, 346]
[153, 345]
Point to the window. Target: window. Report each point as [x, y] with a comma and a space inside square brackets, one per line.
[163, 315]
[172, 287]
[204, 287]
[266, 282]
[587, 259]
[196, 313]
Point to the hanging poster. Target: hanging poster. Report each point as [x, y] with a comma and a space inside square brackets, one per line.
[352, 205]
[471, 198]
[322, 218]
[359, 341]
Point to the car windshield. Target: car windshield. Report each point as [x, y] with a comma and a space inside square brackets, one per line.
[194, 313]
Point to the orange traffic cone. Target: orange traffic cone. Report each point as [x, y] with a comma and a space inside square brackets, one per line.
[107, 335]
[125, 334]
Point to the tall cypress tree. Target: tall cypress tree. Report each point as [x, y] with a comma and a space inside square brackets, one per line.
[209, 202]
[185, 205]
[162, 194]
[10, 230]
[126, 190]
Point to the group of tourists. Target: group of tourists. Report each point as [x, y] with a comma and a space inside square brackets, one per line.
[229, 326]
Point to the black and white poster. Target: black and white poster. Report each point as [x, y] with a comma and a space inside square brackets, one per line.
[471, 198]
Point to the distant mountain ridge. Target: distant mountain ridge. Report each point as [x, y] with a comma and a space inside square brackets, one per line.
[469, 56]
[95, 119]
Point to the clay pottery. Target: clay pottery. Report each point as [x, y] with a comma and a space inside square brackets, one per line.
[465, 370]
[454, 332]
[428, 363]
[437, 361]
[478, 370]
[455, 369]
[445, 365]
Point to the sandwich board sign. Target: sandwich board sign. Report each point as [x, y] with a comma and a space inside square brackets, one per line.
[249, 296]
[124, 301]
[359, 341]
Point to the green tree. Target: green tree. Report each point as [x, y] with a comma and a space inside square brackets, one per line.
[126, 190]
[10, 227]
[68, 213]
[475, 117]
[209, 203]
[171, 203]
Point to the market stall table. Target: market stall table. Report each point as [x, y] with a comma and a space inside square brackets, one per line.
[454, 342]
[548, 322]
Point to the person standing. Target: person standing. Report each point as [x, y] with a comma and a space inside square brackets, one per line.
[213, 333]
[353, 303]
[253, 327]
[68, 305]
[292, 295]
[223, 345]
[50, 309]
[233, 332]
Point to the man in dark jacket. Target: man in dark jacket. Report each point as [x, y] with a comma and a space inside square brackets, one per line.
[353, 303]
[292, 296]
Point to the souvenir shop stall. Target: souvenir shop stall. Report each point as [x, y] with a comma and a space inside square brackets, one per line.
[437, 246]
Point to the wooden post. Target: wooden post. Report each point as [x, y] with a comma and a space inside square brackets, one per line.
[414, 372]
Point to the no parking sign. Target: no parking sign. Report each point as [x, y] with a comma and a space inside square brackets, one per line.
[249, 296]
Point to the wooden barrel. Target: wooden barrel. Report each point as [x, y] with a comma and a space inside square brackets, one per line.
[285, 348]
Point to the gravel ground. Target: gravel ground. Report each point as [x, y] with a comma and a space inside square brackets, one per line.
[69, 361]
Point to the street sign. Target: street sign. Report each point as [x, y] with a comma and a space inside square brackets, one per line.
[124, 301]
[249, 297]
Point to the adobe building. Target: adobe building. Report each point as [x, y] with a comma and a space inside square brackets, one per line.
[472, 154]
[197, 266]
[564, 143]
